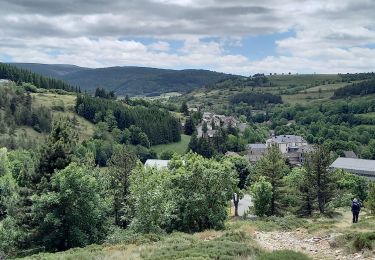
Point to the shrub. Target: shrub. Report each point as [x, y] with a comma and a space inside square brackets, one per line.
[234, 245]
[356, 241]
[283, 255]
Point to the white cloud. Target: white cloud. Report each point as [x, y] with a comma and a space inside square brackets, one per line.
[330, 36]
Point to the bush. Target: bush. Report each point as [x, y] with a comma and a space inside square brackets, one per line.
[357, 241]
[289, 222]
[233, 245]
[262, 195]
[364, 240]
[126, 236]
[166, 155]
[283, 255]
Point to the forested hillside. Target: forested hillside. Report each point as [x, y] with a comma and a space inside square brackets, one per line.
[159, 126]
[129, 80]
[16, 74]
[363, 88]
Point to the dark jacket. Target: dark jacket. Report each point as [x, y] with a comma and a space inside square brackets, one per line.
[356, 207]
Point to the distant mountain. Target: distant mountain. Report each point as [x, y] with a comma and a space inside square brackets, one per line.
[129, 80]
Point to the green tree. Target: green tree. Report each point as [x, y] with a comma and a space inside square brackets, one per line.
[8, 186]
[319, 177]
[184, 109]
[273, 168]
[152, 200]
[57, 153]
[298, 192]
[121, 164]
[73, 214]
[189, 126]
[202, 189]
[166, 155]
[370, 202]
[261, 191]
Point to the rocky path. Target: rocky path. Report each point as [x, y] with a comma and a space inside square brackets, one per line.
[300, 240]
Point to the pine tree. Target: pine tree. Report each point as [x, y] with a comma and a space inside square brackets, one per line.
[189, 126]
[57, 153]
[184, 109]
[121, 164]
[272, 166]
[319, 178]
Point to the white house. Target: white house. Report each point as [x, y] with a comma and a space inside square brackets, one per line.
[286, 142]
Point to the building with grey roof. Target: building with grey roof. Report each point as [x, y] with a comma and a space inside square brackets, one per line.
[284, 142]
[361, 167]
[255, 151]
[159, 164]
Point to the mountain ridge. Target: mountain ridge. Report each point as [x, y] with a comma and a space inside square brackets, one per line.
[128, 80]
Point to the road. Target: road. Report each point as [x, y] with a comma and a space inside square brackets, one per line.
[244, 204]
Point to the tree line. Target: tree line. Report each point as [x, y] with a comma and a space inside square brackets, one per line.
[18, 75]
[362, 88]
[256, 99]
[159, 125]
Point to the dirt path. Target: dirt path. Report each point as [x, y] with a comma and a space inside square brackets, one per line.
[300, 240]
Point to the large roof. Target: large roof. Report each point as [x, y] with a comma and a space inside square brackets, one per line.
[157, 163]
[355, 164]
[287, 139]
[257, 146]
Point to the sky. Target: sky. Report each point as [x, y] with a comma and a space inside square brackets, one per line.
[233, 36]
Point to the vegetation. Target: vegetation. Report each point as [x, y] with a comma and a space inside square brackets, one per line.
[130, 81]
[158, 126]
[179, 147]
[68, 192]
[16, 74]
[363, 88]
[257, 100]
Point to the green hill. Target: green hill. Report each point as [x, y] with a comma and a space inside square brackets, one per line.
[129, 80]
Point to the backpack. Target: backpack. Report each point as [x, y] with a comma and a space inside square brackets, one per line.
[356, 206]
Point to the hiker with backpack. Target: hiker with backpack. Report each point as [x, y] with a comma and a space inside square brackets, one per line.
[356, 208]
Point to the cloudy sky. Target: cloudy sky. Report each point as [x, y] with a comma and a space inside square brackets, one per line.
[235, 36]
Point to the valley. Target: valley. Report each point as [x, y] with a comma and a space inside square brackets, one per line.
[62, 148]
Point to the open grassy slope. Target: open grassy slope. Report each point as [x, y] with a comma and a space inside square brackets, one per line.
[294, 89]
[270, 238]
[53, 101]
[179, 147]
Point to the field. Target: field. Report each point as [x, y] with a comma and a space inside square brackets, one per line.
[179, 147]
[66, 103]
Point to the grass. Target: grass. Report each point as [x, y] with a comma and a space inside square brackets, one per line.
[356, 241]
[230, 245]
[283, 255]
[179, 147]
[305, 98]
[326, 87]
[51, 100]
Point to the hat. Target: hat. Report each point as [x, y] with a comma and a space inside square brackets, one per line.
[355, 200]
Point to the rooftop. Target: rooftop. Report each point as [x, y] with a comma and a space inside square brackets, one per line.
[257, 146]
[157, 163]
[354, 164]
[287, 139]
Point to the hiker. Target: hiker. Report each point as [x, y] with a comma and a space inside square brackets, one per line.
[356, 208]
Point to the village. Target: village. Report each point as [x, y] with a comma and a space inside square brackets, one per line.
[292, 147]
